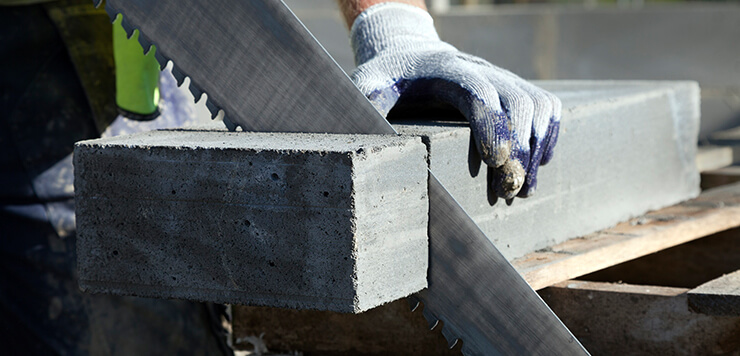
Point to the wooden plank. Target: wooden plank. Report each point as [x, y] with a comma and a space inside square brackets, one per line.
[619, 288]
[713, 211]
[687, 265]
[624, 319]
[719, 297]
[391, 329]
[713, 157]
[719, 177]
[726, 137]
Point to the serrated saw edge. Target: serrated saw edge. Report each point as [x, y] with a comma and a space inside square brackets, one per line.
[148, 45]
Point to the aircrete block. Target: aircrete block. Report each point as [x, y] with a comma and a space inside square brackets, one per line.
[624, 148]
[309, 221]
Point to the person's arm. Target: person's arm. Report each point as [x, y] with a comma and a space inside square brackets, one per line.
[400, 56]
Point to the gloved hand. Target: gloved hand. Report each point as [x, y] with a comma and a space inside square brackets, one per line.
[514, 123]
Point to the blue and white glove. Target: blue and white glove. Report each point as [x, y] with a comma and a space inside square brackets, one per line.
[514, 123]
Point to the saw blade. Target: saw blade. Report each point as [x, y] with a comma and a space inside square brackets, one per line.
[257, 62]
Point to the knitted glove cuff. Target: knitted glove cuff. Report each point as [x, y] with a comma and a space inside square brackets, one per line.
[390, 25]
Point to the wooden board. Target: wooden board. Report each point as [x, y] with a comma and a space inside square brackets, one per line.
[624, 319]
[391, 329]
[714, 157]
[713, 211]
[719, 177]
[684, 266]
[719, 297]
[726, 137]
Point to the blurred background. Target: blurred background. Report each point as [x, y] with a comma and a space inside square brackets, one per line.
[584, 39]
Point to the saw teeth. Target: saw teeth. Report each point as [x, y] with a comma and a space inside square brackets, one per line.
[229, 124]
[452, 340]
[112, 13]
[179, 75]
[162, 60]
[451, 344]
[212, 107]
[434, 322]
[145, 44]
[413, 303]
[432, 319]
[148, 49]
[130, 30]
[197, 93]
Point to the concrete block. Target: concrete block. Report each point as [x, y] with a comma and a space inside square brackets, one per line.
[719, 297]
[625, 148]
[310, 221]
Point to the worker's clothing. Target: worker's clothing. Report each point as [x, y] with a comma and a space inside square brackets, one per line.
[137, 75]
[45, 106]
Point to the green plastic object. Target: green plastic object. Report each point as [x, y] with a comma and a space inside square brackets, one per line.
[137, 75]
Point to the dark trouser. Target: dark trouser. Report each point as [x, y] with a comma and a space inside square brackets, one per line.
[43, 111]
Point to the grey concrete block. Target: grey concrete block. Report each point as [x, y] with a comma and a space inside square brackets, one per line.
[625, 148]
[719, 297]
[329, 222]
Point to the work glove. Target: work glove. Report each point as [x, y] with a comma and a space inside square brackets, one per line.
[514, 123]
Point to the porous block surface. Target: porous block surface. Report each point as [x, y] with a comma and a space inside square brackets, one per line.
[308, 221]
[624, 148]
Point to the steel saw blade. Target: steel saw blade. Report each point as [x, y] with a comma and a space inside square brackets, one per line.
[257, 62]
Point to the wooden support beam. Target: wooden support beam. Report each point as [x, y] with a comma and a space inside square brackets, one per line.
[720, 297]
[624, 319]
[714, 157]
[726, 137]
[391, 329]
[713, 211]
[719, 177]
[684, 266]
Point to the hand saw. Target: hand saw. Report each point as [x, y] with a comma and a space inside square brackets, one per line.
[257, 62]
